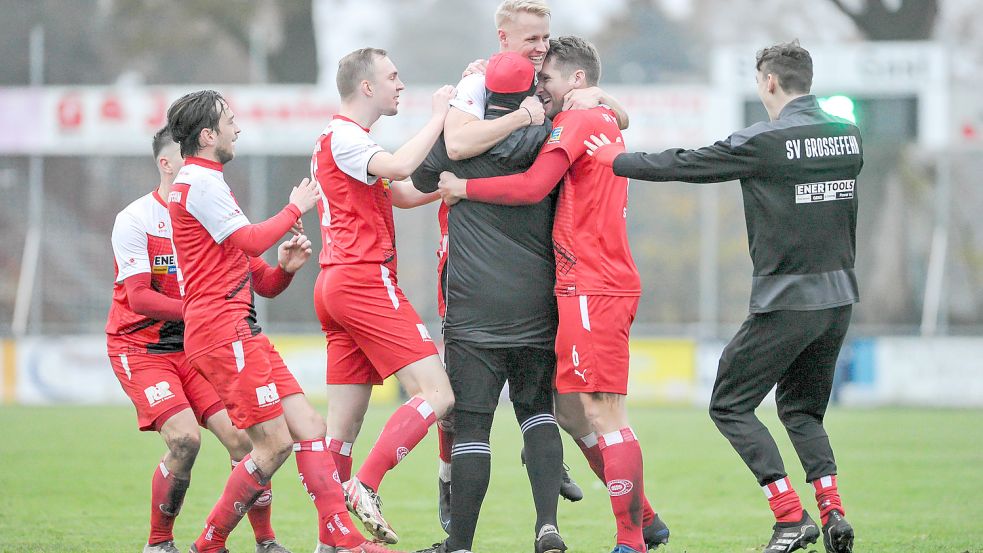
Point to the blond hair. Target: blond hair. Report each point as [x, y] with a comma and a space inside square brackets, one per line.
[508, 9]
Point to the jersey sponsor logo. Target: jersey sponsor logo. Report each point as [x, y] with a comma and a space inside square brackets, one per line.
[619, 487]
[164, 265]
[424, 333]
[814, 192]
[267, 395]
[555, 135]
[158, 392]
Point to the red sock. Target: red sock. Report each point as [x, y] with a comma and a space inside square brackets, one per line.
[315, 466]
[166, 496]
[244, 486]
[623, 475]
[404, 429]
[445, 442]
[827, 496]
[261, 513]
[783, 500]
[592, 451]
[341, 454]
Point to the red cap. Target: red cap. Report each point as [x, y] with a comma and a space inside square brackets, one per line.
[508, 73]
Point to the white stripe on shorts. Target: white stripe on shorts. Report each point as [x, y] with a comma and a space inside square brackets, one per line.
[584, 319]
[240, 355]
[389, 286]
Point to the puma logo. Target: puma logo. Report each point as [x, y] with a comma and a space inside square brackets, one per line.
[582, 375]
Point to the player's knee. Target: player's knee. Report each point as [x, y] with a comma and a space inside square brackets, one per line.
[184, 446]
[721, 414]
[471, 426]
[441, 402]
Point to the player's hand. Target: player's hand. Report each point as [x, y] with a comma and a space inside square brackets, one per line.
[298, 227]
[452, 189]
[305, 195]
[603, 150]
[583, 98]
[536, 112]
[442, 99]
[292, 254]
[477, 66]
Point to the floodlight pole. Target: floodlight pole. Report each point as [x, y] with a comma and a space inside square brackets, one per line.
[30, 268]
[258, 163]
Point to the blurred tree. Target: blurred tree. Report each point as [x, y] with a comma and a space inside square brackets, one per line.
[893, 20]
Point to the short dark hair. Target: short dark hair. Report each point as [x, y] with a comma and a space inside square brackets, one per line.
[354, 68]
[572, 53]
[791, 63]
[162, 138]
[191, 113]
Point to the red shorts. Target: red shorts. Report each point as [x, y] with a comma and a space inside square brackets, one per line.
[592, 343]
[371, 328]
[161, 385]
[250, 377]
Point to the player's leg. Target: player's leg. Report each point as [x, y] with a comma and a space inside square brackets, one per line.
[445, 445]
[241, 374]
[531, 373]
[749, 367]
[347, 404]
[802, 396]
[154, 386]
[569, 489]
[477, 376]
[592, 359]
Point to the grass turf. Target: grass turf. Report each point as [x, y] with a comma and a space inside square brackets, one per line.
[78, 479]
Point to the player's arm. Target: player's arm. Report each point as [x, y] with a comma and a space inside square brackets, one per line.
[150, 303]
[466, 136]
[587, 98]
[291, 256]
[254, 239]
[719, 162]
[518, 189]
[406, 196]
[401, 163]
[130, 249]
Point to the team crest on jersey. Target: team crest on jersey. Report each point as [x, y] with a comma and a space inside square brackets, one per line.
[555, 135]
[174, 197]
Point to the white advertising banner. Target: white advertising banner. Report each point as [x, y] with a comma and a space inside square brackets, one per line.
[287, 119]
[938, 372]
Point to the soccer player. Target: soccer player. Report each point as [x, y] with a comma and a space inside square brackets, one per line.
[597, 284]
[798, 174]
[372, 330]
[145, 341]
[505, 327]
[217, 251]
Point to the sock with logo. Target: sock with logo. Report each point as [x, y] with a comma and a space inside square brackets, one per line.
[260, 513]
[544, 462]
[623, 476]
[827, 496]
[471, 458]
[315, 466]
[167, 491]
[592, 451]
[341, 454]
[243, 488]
[404, 429]
[783, 500]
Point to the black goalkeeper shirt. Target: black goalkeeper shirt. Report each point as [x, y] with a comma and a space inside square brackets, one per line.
[498, 280]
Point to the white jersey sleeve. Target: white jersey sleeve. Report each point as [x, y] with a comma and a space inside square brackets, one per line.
[212, 203]
[129, 246]
[472, 97]
[352, 148]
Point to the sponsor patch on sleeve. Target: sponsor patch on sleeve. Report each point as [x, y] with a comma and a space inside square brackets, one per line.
[555, 135]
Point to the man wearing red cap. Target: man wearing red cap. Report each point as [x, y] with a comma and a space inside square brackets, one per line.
[502, 331]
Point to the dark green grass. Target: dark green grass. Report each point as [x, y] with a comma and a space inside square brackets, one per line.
[78, 479]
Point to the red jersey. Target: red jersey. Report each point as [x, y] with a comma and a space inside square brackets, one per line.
[214, 274]
[355, 208]
[142, 244]
[590, 236]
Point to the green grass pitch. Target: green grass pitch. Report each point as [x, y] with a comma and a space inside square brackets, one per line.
[78, 479]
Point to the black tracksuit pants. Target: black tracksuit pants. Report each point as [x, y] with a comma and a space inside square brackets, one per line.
[796, 350]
